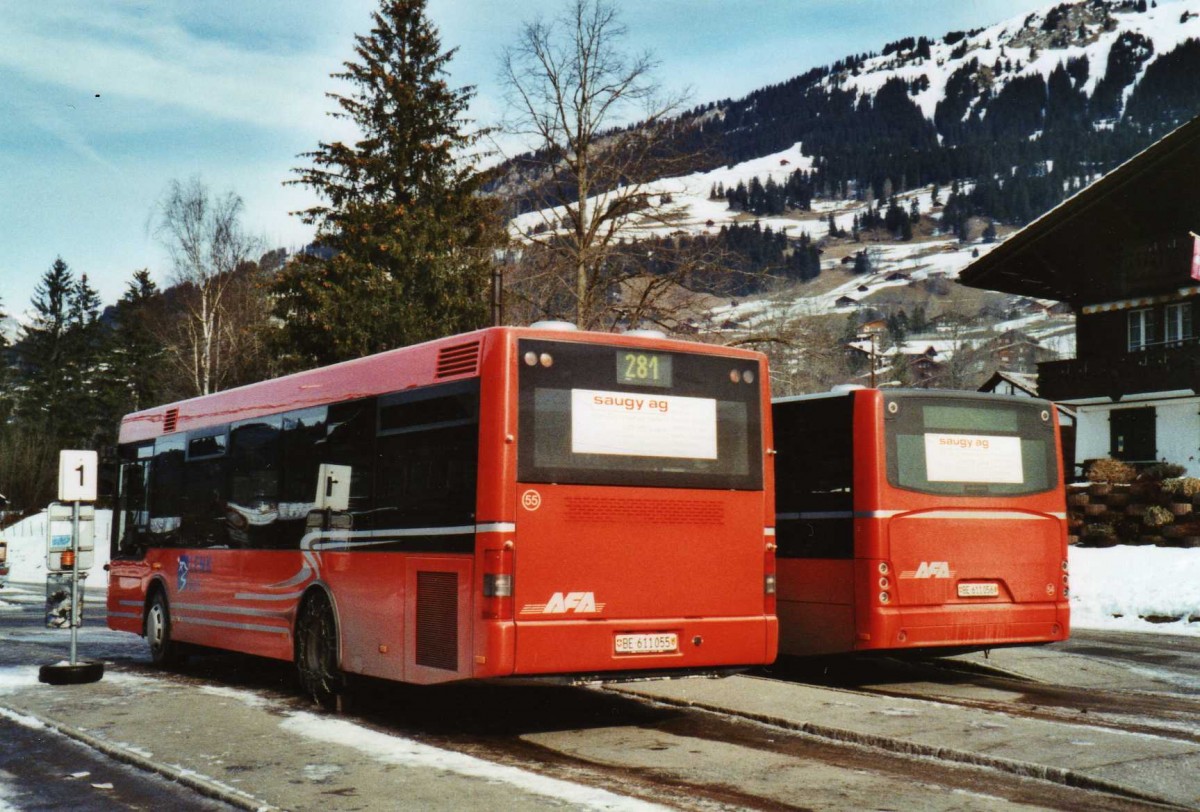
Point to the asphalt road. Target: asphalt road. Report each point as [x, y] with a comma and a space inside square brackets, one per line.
[236, 727]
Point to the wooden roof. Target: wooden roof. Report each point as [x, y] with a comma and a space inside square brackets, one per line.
[1081, 251]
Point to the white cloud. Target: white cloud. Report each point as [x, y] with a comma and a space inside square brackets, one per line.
[146, 54]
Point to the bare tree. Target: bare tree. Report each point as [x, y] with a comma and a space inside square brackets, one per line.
[807, 351]
[207, 244]
[669, 283]
[570, 85]
[965, 368]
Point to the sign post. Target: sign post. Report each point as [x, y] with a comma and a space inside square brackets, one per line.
[77, 474]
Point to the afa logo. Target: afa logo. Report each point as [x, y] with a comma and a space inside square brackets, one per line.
[181, 573]
[930, 569]
[560, 603]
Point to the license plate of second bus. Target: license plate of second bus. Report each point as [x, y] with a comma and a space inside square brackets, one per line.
[647, 643]
[978, 590]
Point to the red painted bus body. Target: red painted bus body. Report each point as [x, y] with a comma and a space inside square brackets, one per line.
[513, 502]
[918, 521]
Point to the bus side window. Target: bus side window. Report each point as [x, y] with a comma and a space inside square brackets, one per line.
[302, 434]
[132, 525]
[815, 467]
[166, 490]
[428, 455]
[254, 482]
[350, 440]
[814, 473]
[204, 493]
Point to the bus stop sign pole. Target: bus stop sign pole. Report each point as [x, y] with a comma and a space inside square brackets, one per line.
[77, 474]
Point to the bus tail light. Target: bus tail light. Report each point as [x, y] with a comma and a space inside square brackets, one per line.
[885, 583]
[497, 584]
[769, 584]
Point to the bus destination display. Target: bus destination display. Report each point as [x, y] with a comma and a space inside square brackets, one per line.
[643, 368]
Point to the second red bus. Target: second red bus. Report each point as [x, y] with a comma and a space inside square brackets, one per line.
[916, 520]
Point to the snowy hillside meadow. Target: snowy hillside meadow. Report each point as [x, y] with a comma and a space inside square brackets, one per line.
[1111, 588]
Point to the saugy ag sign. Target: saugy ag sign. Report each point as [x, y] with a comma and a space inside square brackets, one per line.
[973, 458]
[640, 425]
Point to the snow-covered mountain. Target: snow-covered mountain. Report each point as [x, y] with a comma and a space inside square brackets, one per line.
[1108, 34]
[973, 134]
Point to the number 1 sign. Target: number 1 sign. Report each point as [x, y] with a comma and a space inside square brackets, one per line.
[77, 476]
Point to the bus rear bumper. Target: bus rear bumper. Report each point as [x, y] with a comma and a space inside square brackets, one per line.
[591, 647]
[965, 626]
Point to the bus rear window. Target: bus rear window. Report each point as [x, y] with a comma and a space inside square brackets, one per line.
[614, 416]
[970, 447]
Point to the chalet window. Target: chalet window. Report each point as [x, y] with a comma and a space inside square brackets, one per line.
[1132, 434]
[1179, 323]
[1141, 329]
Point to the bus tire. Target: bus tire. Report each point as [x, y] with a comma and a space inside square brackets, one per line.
[317, 653]
[164, 651]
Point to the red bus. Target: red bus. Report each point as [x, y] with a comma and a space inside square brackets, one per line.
[514, 501]
[918, 520]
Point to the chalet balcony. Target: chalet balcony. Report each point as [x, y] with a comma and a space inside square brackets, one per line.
[1156, 369]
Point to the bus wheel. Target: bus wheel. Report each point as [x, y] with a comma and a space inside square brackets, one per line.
[163, 650]
[317, 654]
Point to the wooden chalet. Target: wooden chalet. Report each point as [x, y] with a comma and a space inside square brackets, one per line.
[1122, 255]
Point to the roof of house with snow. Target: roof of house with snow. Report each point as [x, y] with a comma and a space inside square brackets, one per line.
[1019, 380]
[1108, 241]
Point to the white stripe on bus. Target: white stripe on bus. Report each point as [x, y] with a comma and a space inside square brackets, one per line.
[934, 514]
[228, 610]
[249, 627]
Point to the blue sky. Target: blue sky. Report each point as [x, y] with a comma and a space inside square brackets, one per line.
[104, 102]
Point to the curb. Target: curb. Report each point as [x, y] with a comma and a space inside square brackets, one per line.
[1024, 769]
[181, 775]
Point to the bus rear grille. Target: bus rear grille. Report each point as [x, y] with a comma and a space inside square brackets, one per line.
[437, 620]
[644, 511]
[460, 359]
[170, 421]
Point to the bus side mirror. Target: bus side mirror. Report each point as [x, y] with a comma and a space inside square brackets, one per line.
[333, 487]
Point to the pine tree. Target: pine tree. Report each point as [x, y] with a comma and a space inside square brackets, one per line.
[136, 352]
[61, 361]
[44, 347]
[84, 420]
[411, 239]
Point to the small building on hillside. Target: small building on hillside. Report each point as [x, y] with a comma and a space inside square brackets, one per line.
[1017, 351]
[1122, 254]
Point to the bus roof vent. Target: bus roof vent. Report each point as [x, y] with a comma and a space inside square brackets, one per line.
[459, 359]
[554, 324]
[170, 420]
[646, 333]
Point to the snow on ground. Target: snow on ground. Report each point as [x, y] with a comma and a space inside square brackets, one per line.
[16, 677]
[1112, 588]
[390, 749]
[688, 208]
[1132, 582]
